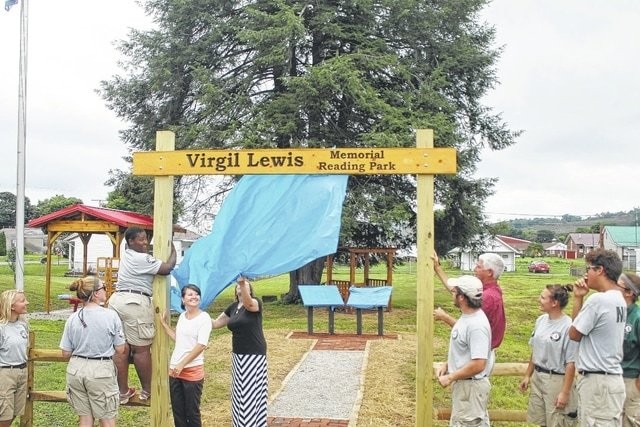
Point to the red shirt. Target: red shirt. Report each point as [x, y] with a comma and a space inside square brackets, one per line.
[493, 307]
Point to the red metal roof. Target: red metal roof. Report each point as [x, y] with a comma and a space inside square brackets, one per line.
[115, 216]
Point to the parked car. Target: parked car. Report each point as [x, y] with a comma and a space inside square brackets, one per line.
[539, 267]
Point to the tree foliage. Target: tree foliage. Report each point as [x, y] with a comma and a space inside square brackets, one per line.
[54, 204]
[8, 210]
[135, 194]
[543, 236]
[3, 244]
[338, 73]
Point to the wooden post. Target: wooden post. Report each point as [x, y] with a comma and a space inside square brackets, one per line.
[162, 241]
[424, 284]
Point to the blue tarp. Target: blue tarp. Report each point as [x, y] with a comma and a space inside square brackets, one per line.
[267, 225]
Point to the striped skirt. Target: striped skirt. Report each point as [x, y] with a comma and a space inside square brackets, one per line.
[249, 390]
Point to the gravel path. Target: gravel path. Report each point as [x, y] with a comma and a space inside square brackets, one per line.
[325, 384]
[52, 315]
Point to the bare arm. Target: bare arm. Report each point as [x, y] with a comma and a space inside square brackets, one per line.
[195, 351]
[439, 271]
[163, 320]
[524, 384]
[443, 316]
[580, 289]
[119, 349]
[166, 267]
[562, 398]
[249, 303]
[66, 354]
[474, 367]
[221, 321]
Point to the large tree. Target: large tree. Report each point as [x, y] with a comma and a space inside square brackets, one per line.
[340, 73]
[55, 203]
[8, 210]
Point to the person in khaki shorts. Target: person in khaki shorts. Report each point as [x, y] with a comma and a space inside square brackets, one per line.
[469, 360]
[132, 301]
[14, 339]
[598, 326]
[629, 283]
[551, 369]
[91, 337]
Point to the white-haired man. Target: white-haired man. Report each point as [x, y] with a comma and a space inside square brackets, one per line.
[469, 359]
[488, 269]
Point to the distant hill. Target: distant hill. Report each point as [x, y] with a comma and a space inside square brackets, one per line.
[569, 223]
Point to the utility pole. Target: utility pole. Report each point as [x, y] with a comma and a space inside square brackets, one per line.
[22, 136]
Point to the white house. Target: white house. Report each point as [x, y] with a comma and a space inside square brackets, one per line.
[625, 241]
[34, 239]
[466, 258]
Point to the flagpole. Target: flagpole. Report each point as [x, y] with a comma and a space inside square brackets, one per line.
[21, 157]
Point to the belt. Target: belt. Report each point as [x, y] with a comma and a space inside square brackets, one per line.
[546, 371]
[472, 379]
[596, 373]
[131, 291]
[22, 366]
[93, 358]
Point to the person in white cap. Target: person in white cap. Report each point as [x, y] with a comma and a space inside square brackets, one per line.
[488, 269]
[469, 360]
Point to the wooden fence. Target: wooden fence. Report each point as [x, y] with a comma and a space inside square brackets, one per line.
[499, 370]
[48, 355]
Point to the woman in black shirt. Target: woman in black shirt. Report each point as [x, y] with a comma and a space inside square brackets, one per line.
[249, 349]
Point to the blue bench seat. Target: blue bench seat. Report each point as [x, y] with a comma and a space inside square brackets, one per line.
[320, 296]
[369, 298]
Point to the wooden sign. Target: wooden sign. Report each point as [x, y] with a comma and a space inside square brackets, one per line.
[339, 161]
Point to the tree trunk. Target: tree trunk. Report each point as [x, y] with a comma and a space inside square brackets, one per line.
[309, 274]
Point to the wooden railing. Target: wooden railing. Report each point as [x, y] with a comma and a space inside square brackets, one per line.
[499, 370]
[48, 355]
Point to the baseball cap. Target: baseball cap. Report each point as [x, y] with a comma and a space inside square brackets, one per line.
[471, 286]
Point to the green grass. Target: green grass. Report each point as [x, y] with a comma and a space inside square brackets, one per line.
[521, 290]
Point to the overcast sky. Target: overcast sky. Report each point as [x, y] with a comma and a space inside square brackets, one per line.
[568, 78]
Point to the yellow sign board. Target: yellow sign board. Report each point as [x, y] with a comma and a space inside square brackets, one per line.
[340, 161]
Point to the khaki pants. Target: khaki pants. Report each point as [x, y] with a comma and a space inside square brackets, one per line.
[470, 399]
[13, 392]
[631, 403]
[92, 388]
[600, 400]
[136, 313]
[542, 410]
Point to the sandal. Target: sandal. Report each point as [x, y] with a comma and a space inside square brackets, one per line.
[124, 397]
[144, 395]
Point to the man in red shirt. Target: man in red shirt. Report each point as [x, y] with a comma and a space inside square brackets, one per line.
[488, 269]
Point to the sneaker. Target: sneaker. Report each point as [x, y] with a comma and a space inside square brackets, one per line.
[144, 395]
[124, 397]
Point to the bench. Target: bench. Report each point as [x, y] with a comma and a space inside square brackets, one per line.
[360, 298]
[369, 298]
[320, 296]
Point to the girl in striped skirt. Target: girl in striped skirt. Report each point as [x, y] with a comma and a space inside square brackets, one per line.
[249, 371]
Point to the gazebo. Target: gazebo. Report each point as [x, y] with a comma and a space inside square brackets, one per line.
[86, 221]
[363, 254]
